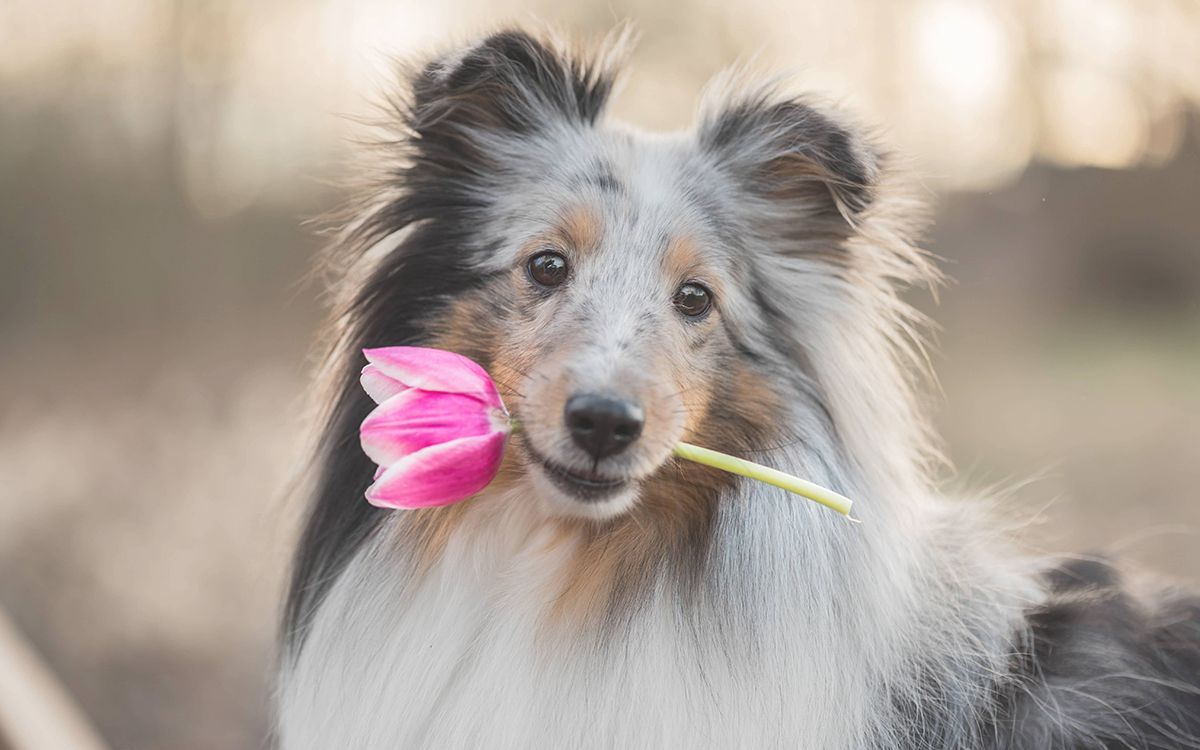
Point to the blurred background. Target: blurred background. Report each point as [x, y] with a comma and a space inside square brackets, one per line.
[159, 160]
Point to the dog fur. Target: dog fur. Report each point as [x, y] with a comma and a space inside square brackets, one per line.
[691, 608]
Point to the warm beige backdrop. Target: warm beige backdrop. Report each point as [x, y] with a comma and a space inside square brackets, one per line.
[158, 158]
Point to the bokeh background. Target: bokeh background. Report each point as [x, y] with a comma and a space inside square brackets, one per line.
[159, 160]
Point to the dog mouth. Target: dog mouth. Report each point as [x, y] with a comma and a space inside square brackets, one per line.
[587, 486]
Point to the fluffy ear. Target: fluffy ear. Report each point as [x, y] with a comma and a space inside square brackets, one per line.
[789, 151]
[509, 82]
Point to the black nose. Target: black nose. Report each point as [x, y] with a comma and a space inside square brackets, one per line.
[602, 425]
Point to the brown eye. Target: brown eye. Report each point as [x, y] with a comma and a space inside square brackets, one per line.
[693, 300]
[548, 268]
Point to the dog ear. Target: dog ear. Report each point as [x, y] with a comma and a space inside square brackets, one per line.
[510, 82]
[789, 151]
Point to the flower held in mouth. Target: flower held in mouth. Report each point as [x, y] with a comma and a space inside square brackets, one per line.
[438, 433]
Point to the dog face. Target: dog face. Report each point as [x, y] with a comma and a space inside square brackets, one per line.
[615, 334]
[626, 291]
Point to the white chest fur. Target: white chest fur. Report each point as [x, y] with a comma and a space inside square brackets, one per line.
[792, 642]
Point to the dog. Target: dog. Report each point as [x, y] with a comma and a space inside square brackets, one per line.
[737, 286]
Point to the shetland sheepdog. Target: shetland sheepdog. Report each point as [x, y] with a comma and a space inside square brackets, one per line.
[737, 286]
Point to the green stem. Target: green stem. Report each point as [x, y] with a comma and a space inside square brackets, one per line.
[742, 467]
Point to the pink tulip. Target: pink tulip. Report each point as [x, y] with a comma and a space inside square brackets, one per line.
[438, 431]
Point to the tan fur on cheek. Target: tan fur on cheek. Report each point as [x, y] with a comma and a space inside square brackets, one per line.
[469, 326]
[742, 412]
[476, 327]
[691, 391]
[696, 397]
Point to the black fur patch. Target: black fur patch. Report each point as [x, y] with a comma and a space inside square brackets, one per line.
[1102, 670]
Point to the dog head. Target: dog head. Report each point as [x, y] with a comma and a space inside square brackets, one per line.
[734, 285]
[626, 291]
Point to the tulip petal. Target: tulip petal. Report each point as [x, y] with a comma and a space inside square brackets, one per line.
[415, 419]
[435, 370]
[440, 474]
[379, 386]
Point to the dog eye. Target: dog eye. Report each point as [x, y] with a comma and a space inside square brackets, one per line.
[693, 300]
[548, 268]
